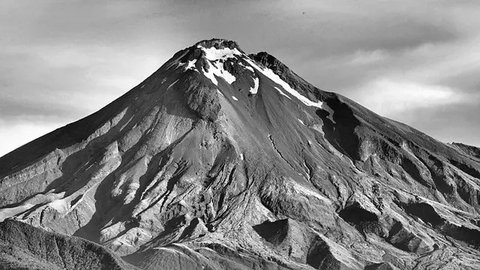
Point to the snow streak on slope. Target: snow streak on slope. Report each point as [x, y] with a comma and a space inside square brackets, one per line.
[191, 65]
[256, 84]
[281, 92]
[247, 67]
[276, 79]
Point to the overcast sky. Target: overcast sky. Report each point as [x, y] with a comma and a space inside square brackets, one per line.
[417, 62]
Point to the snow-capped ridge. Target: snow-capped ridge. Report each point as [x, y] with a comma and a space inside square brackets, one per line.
[209, 56]
[216, 69]
[276, 79]
[214, 54]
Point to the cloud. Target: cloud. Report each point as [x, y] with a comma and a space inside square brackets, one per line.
[368, 57]
[449, 123]
[394, 98]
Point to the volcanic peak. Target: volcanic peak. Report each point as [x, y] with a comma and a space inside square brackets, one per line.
[266, 169]
[226, 66]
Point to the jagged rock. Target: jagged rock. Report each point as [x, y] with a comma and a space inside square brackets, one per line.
[403, 238]
[196, 229]
[224, 160]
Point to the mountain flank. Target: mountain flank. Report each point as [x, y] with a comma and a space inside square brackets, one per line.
[227, 160]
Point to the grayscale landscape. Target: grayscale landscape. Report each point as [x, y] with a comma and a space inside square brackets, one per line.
[227, 160]
[239, 135]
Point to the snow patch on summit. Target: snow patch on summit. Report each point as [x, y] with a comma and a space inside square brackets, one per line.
[216, 70]
[227, 76]
[214, 54]
[216, 58]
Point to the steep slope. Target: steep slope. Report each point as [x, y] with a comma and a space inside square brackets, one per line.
[25, 247]
[224, 160]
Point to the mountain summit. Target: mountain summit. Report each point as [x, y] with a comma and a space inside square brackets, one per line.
[223, 160]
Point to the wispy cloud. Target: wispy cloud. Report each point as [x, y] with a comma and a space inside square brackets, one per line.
[395, 98]
[368, 57]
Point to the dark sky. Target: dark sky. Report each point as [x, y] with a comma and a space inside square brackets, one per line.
[417, 62]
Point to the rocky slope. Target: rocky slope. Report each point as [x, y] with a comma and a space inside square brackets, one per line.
[25, 247]
[223, 160]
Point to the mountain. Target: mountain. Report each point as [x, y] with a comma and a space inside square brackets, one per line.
[223, 160]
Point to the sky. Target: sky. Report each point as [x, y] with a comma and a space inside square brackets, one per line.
[417, 62]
